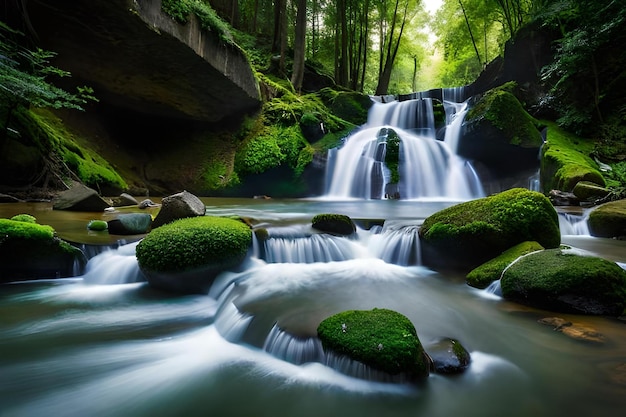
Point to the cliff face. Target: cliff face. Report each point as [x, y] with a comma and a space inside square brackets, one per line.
[137, 58]
[170, 95]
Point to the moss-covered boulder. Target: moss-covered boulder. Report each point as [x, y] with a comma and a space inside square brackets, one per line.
[32, 251]
[485, 274]
[565, 280]
[565, 161]
[185, 255]
[608, 220]
[382, 339]
[468, 234]
[500, 133]
[338, 224]
[589, 191]
[97, 225]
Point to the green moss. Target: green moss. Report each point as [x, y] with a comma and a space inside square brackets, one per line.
[97, 225]
[608, 220]
[180, 10]
[195, 242]
[334, 223]
[471, 233]
[380, 338]
[52, 138]
[565, 161]
[392, 156]
[490, 271]
[27, 218]
[557, 279]
[25, 230]
[504, 112]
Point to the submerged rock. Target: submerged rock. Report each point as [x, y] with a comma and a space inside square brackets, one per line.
[382, 339]
[575, 331]
[448, 357]
[468, 234]
[567, 281]
[185, 255]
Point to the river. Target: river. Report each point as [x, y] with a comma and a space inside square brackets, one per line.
[102, 344]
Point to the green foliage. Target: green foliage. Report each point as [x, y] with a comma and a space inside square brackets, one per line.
[24, 78]
[180, 10]
[195, 242]
[380, 338]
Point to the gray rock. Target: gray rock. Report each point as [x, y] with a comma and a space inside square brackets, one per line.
[179, 206]
[80, 198]
[130, 224]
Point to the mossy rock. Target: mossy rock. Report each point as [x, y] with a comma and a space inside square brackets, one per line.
[382, 339]
[97, 225]
[608, 220]
[338, 224]
[351, 106]
[33, 251]
[27, 218]
[565, 161]
[448, 356]
[468, 234]
[566, 281]
[589, 191]
[498, 132]
[491, 270]
[186, 254]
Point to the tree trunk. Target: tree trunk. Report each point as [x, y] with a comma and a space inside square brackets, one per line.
[469, 29]
[299, 47]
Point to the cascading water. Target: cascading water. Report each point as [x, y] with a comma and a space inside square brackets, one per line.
[426, 167]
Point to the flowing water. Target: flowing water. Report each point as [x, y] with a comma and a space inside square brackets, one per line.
[103, 344]
[106, 344]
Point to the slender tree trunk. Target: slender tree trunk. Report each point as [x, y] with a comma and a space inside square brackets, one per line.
[299, 47]
[343, 63]
[469, 29]
[365, 44]
[392, 50]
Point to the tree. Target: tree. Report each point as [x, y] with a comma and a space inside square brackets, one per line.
[389, 41]
[299, 46]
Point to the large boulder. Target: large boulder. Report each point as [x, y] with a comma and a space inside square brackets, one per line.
[568, 281]
[608, 220]
[179, 206]
[468, 234]
[499, 133]
[381, 339]
[80, 198]
[186, 255]
[32, 251]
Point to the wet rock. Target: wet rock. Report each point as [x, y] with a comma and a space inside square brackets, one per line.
[566, 280]
[130, 224]
[575, 331]
[80, 198]
[338, 224]
[608, 220]
[179, 206]
[124, 199]
[147, 203]
[589, 191]
[448, 357]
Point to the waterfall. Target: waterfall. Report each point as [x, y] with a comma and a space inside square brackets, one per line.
[397, 243]
[573, 224]
[114, 266]
[426, 167]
